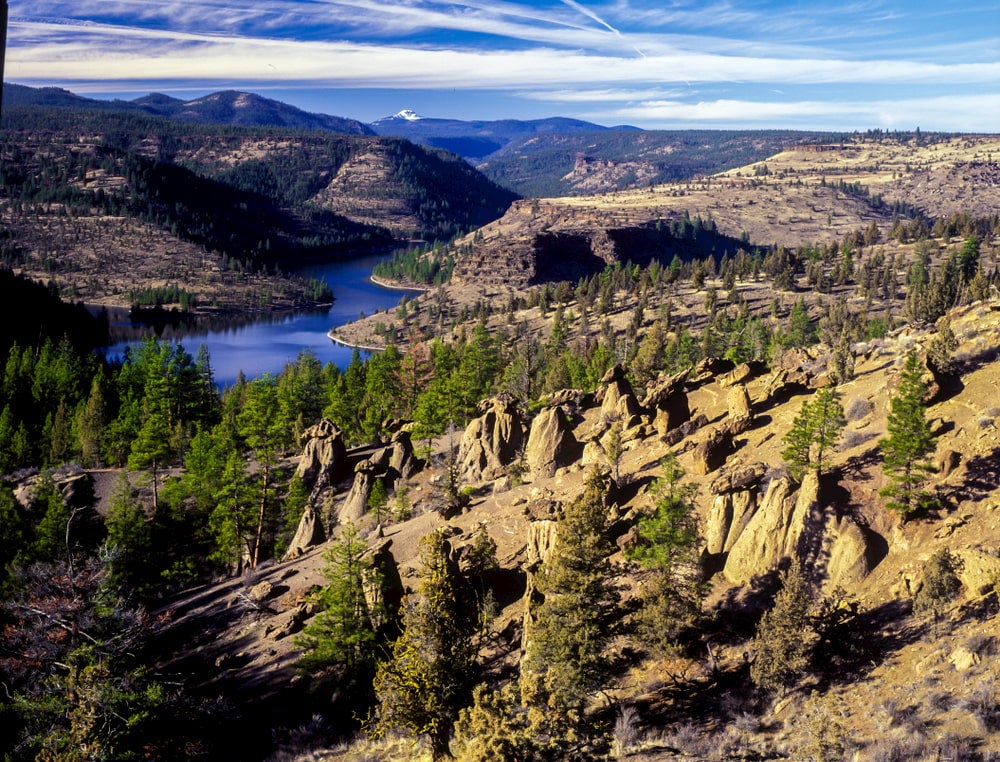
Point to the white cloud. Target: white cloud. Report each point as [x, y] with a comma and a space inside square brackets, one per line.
[105, 52]
[964, 113]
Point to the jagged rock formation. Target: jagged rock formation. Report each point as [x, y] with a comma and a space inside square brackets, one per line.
[356, 502]
[382, 584]
[309, 533]
[670, 403]
[323, 456]
[391, 463]
[541, 540]
[738, 402]
[493, 441]
[734, 502]
[772, 533]
[618, 400]
[403, 462]
[551, 443]
[712, 451]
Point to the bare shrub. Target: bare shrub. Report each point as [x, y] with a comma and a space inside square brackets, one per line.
[981, 644]
[851, 438]
[896, 750]
[690, 739]
[626, 728]
[982, 704]
[301, 742]
[857, 409]
[940, 701]
[956, 749]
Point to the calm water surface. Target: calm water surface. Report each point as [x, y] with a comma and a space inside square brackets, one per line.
[266, 346]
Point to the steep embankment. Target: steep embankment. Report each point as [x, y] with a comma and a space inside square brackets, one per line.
[890, 675]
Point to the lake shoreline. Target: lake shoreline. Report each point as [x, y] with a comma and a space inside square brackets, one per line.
[397, 285]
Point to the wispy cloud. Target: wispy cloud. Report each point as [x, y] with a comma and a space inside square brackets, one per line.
[577, 53]
[959, 113]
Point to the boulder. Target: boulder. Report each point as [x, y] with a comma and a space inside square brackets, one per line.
[492, 441]
[324, 454]
[738, 478]
[551, 444]
[713, 366]
[781, 384]
[712, 452]
[308, 534]
[737, 375]
[738, 401]
[668, 399]
[850, 557]
[674, 436]
[947, 461]
[979, 569]
[402, 461]
[260, 592]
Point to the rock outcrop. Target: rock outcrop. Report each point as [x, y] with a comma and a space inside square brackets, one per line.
[551, 444]
[403, 463]
[774, 531]
[356, 502]
[618, 400]
[323, 456]
[492, 441]
[308, 534]
[711, 452]
[670, 403]
[738, 401]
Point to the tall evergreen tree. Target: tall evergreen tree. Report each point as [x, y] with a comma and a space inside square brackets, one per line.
[342, 636]
[815, 430]
[668, 548]
[909, 442]
[783, 642]
[562, 664]
[430, 673]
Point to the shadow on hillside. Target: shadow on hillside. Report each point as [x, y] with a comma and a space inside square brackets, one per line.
[734, 618]
[850, 648]
[982, 476]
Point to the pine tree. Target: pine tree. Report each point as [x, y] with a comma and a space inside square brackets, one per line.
[909, 442]
[430, 673]
[783, 642]
[343, 635]
[815, 431]
[669, 541]
[129, 541]
[562, 665]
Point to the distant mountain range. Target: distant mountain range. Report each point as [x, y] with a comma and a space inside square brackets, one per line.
[476, 140]
[228, 108]
[540, 157]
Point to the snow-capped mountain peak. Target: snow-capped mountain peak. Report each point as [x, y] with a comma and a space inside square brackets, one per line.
[406, 115]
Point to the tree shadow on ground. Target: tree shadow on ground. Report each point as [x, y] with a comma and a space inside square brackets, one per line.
[852, 647]
[982, 477]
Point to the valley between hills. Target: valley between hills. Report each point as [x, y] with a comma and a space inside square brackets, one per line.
[583, 505]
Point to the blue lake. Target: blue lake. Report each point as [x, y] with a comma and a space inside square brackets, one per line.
[266, 345]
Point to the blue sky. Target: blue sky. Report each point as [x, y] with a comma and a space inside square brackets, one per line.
[817, 64]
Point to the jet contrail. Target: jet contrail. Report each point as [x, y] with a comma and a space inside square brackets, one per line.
[591, 15]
